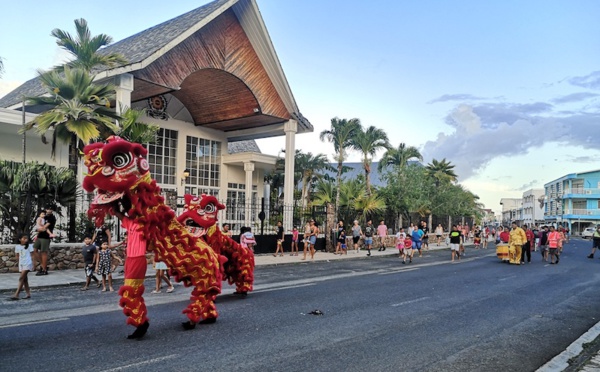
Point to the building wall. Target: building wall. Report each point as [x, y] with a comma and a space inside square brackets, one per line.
[11, 143]
[11, 149]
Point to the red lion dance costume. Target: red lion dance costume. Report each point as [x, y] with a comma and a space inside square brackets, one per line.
[119, 172]
[239, 267]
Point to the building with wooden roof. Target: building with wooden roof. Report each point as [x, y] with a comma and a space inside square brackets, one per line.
[212, 81]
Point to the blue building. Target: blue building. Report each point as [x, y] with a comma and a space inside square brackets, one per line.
[573, 201]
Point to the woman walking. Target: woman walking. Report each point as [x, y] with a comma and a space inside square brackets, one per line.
[356, 234]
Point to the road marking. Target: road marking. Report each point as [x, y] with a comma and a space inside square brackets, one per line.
[396, 271]
[149, 361]
[284, 287]
[411, 301]
[507, 278]
[32, 322]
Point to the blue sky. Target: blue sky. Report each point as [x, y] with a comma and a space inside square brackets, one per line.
[508, 91]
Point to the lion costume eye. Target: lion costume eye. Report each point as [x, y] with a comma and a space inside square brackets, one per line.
[210, 208]
[121, 159]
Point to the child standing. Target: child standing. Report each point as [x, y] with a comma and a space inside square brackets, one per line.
[294, 241]
[408, 251]
[90, 257]
[103, 265]
[400, 236]
[247, 238]
[23, 251]
[161, 269]
[343, 245]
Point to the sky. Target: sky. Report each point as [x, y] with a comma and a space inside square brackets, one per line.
[507, 91]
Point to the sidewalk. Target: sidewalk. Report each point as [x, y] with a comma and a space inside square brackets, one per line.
[56, 278]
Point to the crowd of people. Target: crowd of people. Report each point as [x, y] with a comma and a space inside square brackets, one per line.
[101, 258]
[549, 240]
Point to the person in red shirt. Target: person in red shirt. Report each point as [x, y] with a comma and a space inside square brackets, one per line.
[554, 239]
[527, 246]
[504, 235]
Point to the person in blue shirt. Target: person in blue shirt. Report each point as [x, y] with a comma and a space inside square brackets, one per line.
[417, 239]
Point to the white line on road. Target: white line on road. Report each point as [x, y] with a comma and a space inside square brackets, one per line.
[141, 363]
[399, 271]
[33, 322]
[507, 278]
[285, 287]
[411, 301]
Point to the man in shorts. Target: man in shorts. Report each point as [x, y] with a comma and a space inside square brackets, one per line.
[369, 232]
[455, 242]
[41, 247]
[595, 242]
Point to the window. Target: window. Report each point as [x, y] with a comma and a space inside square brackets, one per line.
[203, 159]
[237, 204]
[162, 157]
[170, 196]
[197, 191]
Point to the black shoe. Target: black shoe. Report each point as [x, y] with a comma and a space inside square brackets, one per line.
[39, 273]
[208, 321]
[383, 248]
[140, 331]
[403, 262]
[379, 250]
[369, 254]
[591, 255]
[188, 325]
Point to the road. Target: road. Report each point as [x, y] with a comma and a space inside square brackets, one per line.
[379, 315]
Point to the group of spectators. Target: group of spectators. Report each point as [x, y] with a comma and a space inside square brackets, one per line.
[521, 241]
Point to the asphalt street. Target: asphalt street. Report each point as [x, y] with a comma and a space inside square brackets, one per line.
[378, 315]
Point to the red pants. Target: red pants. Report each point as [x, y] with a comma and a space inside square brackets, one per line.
[132, 300]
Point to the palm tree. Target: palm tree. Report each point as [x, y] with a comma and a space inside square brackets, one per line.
[79, 109]
[84, 47]
[340, 134]
[368, 205]
[399, 157]
[309, 166]
[133, 130]
[325, 192]
[26, 188]
[1, 66]
[368, 142]
[441, 171]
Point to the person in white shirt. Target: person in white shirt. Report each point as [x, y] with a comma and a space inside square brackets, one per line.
[23, 251]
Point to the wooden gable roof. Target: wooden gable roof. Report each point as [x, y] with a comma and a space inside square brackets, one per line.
[218, 60]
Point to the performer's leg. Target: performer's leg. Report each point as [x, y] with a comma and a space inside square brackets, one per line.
[244, 270]
[132, 290]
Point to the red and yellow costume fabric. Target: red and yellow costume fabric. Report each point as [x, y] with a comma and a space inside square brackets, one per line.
[239, 265]
[119, 173]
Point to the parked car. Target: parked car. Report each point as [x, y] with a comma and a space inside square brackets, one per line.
[587, 233]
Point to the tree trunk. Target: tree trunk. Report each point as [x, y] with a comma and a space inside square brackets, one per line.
[73, 165]
[367, 177]
[304, 192]
[339, 186]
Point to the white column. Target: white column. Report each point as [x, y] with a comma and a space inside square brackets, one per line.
[290, 129]
[124, 87]
[249, 168]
